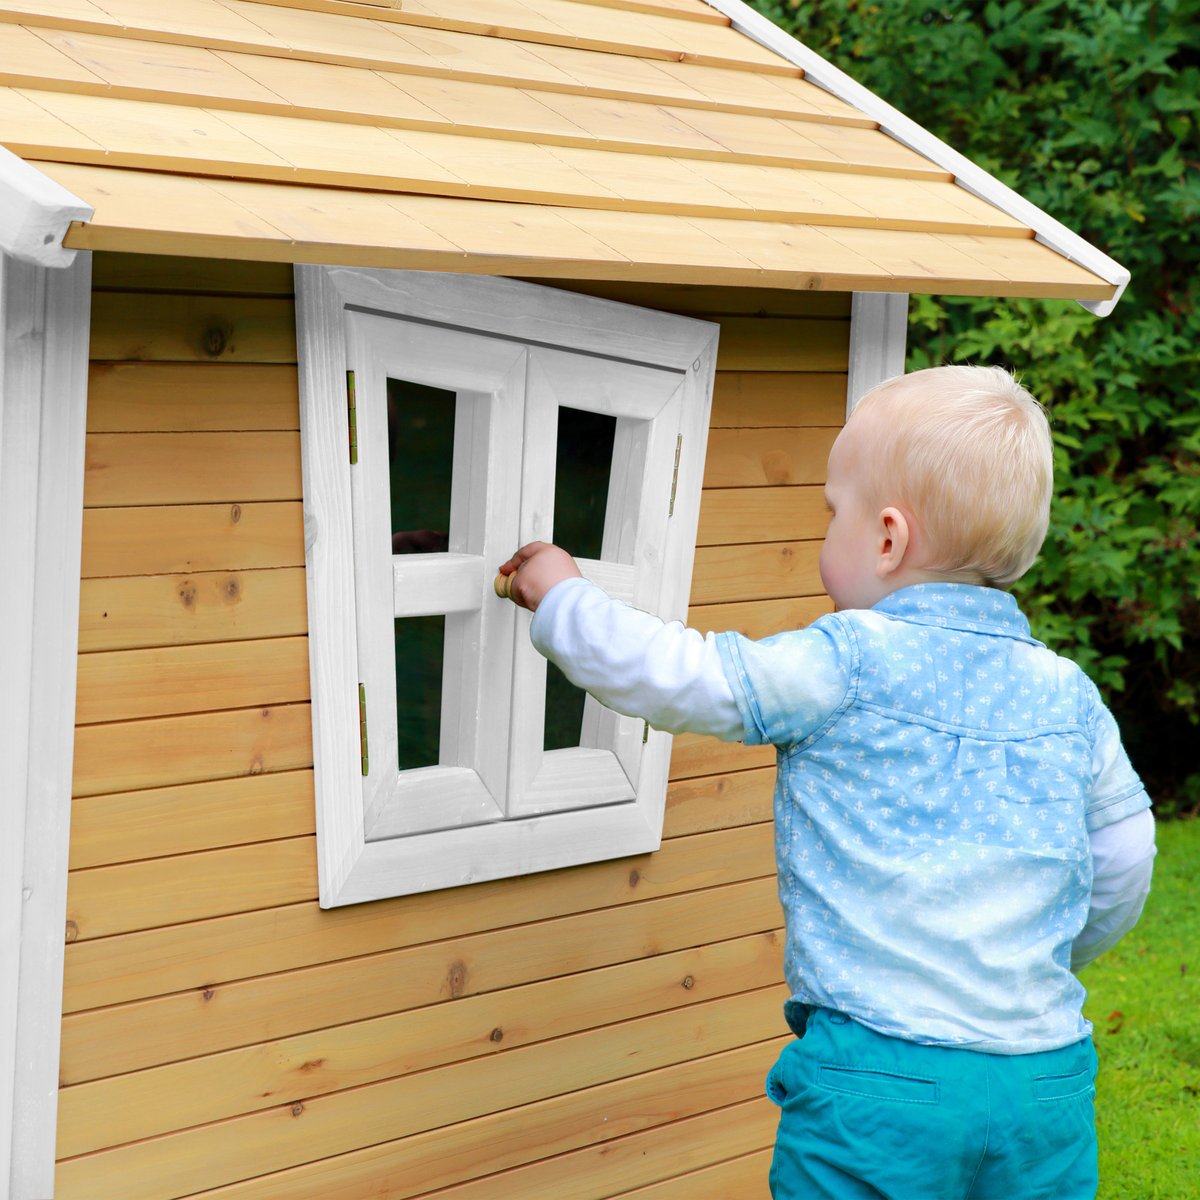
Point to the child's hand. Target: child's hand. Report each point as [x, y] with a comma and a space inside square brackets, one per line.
[533, 571]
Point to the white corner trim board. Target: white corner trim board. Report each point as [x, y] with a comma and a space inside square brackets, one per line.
[35, 213]
[975, 179]
[44, 317]
[878, 341]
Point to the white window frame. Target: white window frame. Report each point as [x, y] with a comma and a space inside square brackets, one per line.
[513, 353]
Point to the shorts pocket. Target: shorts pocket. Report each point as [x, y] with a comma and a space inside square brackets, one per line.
[878, 1085]
[1063, 1087]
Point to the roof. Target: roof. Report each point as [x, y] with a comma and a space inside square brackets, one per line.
[596, 139]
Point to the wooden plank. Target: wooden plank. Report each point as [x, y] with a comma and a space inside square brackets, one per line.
[731, 516]
[719, 802]
[188, 749]
[769, 571]
[760, 618]
[444, 51]
[783, 344]
[198, 957]
[199, 18]
[229, 218]
[743, 1176]
[169, 539]
[701, 301]
[743, 399]
[145, 1103]
[130, 1037]
[130, 826]
[156, 66]
[146, 135]
[308, 1129]
[193, 328]
[767, 457]
[773, 94]
[179, 610]
[191, 468]
[134, 397]
[162, 273]
[26, 58]
[408, 1167]
[102, 901]
[809, 143]
[639, 1159]
[122, 685]
[693, 755]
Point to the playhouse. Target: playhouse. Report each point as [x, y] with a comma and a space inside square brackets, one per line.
[314, 883]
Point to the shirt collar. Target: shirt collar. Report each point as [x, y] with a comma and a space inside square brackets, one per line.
[959, 606]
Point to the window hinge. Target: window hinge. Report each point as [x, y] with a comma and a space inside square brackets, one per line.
[675, 476]
[352, 407]
[362, 727]
[645, 732]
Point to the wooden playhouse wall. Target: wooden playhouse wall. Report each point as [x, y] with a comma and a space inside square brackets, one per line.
[595, 1032]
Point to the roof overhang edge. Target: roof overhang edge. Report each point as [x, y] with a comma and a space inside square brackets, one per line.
[975, 179]
[35, 214]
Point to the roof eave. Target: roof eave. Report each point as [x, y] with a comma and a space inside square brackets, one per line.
[35, 214]
[975, 179]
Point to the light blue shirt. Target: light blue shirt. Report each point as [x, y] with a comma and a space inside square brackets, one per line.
[939, 774]
[948, 789]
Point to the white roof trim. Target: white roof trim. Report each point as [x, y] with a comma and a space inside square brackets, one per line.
[975, 179]
[35, 213]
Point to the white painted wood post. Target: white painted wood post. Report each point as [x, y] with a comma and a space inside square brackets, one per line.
[878, 339]
[44, 317]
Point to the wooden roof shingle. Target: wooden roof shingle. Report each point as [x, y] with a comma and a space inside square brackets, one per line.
[635, 139]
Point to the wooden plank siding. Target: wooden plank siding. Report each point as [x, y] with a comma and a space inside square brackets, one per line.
[600, 1031]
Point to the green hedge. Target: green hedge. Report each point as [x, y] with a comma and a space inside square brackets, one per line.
[1089, 109]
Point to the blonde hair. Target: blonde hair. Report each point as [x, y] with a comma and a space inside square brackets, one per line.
[967, 452]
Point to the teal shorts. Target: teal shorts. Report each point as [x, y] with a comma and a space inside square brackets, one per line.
[868, 1116]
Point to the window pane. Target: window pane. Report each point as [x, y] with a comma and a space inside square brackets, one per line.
[419, 643]
[421, 455]
[582, 467]
[421, 458]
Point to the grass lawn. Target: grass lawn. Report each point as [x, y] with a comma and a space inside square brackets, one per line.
[1143, 999]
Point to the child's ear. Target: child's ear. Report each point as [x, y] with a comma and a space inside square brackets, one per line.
[894, 537]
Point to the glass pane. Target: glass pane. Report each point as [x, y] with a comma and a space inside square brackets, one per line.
[581, 473]
[419, 643]
[421, 461]
[421, 455]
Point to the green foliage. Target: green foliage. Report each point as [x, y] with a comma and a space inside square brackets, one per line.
[1089, 109]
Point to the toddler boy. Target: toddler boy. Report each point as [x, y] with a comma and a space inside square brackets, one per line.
[957, 825]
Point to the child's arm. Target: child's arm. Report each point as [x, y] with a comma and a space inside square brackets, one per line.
[1121, 836]
[1122, 863]
[631, 661]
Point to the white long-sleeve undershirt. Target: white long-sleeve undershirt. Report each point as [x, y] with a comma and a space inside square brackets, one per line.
[671, 676]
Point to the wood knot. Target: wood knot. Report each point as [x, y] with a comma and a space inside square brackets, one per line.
[232, 588]
[187, 594]
[216, 339]
[313, 1064]
[235, 514]
[456, 979]
[72, 931]
[688, 983]
[497, 1034]
[209, 992]
[256, 765]
[297, 1109]
[635, 877]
